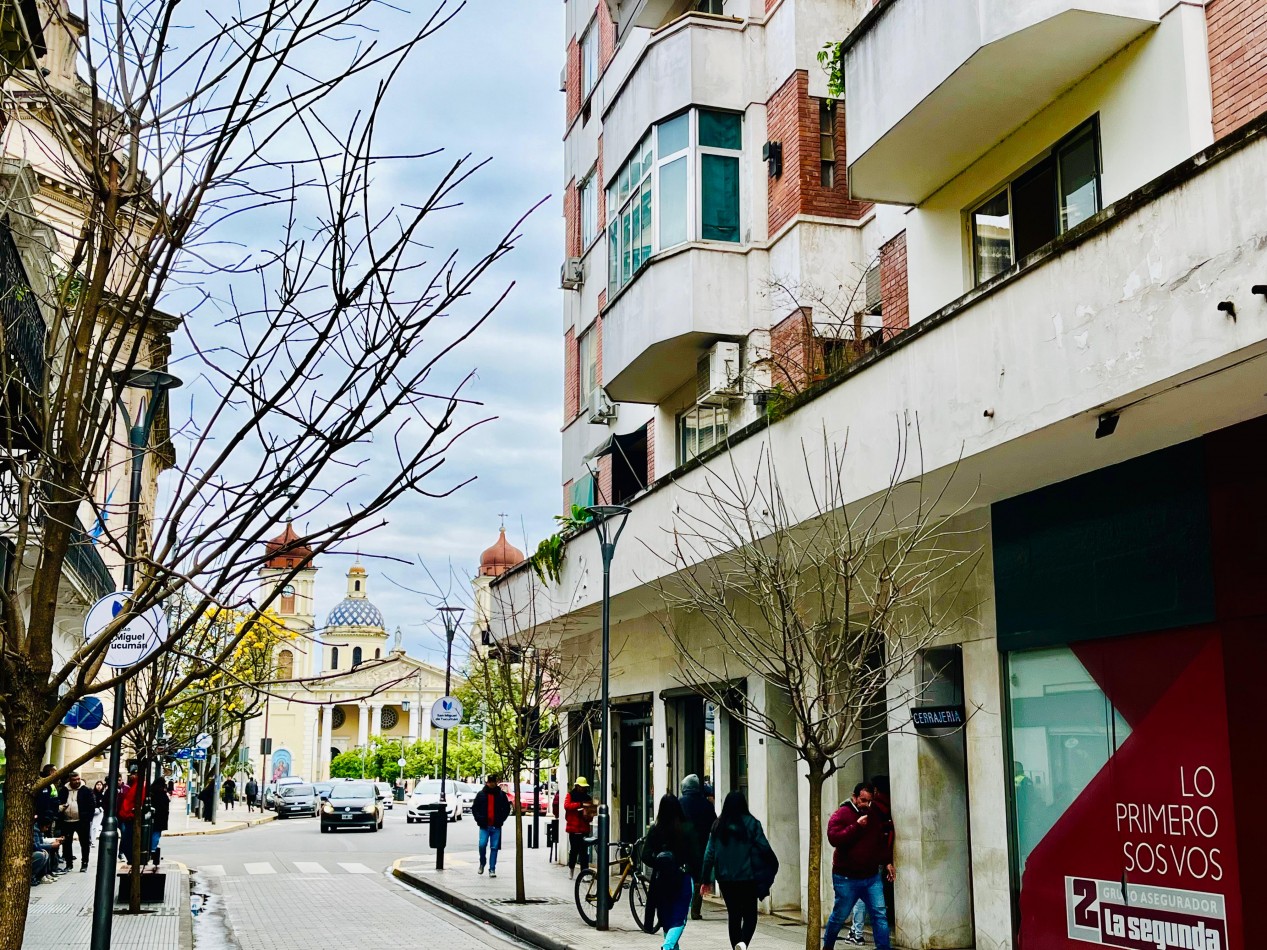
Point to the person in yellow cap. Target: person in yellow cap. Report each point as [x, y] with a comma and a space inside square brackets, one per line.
[579, 810]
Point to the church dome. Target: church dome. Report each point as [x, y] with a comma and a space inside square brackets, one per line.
[285, 551]
[352, 612]
[500, 558]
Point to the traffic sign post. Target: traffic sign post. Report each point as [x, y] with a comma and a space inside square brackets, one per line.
[446, 712]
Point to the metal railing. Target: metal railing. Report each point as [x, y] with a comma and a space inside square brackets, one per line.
[25, 332]
[83, 558]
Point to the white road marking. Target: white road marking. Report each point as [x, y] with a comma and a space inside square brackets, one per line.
[354, 868]
[262, 867]
[310, 867]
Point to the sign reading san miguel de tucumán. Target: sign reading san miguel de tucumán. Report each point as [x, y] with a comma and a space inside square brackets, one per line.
[1144, 917]
[937, 717]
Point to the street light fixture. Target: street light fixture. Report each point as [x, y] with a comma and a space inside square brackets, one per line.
[157, 383]
[609, 522]
[451, 616]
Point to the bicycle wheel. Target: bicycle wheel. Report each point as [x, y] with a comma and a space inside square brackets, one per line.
[638, 900]
[587, 896]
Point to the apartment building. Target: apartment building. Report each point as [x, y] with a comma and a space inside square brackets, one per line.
[1060, 206]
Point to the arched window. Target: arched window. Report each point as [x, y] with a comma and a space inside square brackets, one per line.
[285, 665]
[356, 656]
[334, 658]
[378, 654]
[358, 584]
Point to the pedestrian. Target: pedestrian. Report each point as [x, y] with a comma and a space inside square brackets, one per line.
[252, 793]
[46, 802]
[669, 849]
[76, 811]
[490, 809]
[861, 863]
[161, 805]
[207, 798]
[229, 792]
[99, 807]
[739, 855]
[127, 813]
[880, 805]
[44, 855]
[579, 811]
[700, 818]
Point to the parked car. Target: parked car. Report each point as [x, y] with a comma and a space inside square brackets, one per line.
[297, 800]
[527, 799]
[426, 794]
[466, 795]
[270, 790]
[352, 805]
[323, 789]
[384, 793]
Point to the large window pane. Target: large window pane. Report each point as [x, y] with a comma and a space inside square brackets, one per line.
[646, 219]
[626, 241]
[1063, 731]
[613, 258]
[720, 130]
[674, 134]
[635, 230]
[1034, 220]
[719, 198]
[673, 203]
[992, 237]
[1079, 181]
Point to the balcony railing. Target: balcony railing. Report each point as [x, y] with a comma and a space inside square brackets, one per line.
[83, 558]
[25, 333]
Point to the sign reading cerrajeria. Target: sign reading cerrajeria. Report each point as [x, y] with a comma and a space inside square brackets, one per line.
[937, 717]
[1144, 917]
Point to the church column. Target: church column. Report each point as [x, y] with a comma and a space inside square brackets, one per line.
[376, 719]
[325, 739]
[363, 724]
[414, 714]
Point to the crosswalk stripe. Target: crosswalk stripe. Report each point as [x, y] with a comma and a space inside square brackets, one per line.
[310, 867]
[353, 868]
[262, 867]
[212, 870]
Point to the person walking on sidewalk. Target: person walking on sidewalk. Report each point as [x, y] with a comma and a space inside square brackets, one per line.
[161, 805]
[880, 806]
[252, 793]
[862, 861]
[229, 792]
[490, 809]
[670, 850]
[700, 817]
[740, 856]
[580, 811]
[76, 810]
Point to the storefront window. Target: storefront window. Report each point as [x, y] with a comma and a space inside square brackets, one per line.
[1064, 730]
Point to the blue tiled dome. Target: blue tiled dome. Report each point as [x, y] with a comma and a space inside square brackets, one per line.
[355, 612]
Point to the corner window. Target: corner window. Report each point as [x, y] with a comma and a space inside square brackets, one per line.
[1058, 193]
[709, 6]
[699, 429]
[589, 59]
[588, 193]
[827, 143]
[588, 347]
[681, 184]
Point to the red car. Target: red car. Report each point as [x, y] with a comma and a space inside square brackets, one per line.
[527, 799]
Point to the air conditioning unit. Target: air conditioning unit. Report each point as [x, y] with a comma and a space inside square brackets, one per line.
[600, 410]
[717, 375]
[573, 274]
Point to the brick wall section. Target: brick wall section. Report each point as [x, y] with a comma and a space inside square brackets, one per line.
[571, 376]
[792, 117]
[895, 303]
[603, 490]
[650, 451]
[1237, 34]
[572, 219]
[573, 81]
[791, 350]
[606, 37]
[598, 349]
[602, 193]
[567, 497]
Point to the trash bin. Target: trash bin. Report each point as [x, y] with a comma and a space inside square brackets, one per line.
[439, 835]
[398, 793]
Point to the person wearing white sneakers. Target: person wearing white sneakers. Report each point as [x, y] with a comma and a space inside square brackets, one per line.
[490, 809]
[745, 865]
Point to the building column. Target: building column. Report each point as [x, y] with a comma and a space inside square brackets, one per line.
[424, 716]
[376, 719]
[321, 747]
[414, 715]
[363, 724]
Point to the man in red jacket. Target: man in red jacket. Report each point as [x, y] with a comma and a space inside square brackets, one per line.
[579, 810]
[862, 862]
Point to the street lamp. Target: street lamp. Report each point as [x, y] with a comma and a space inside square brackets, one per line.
[452, 616]
[156, 383]
[609, 522]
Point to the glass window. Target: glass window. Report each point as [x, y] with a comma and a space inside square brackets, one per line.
[1079, 167]
[827, 142]
[709, 6]
[992, 237]
[720, 129]
[589, 210]
[674, 135]
[334, 658]
[719, 198]
[699, 429]
[673, 204]
[1063, 731]
[356, 656]
[589, 59]
[588, 361]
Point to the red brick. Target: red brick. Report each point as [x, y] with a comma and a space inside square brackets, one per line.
[895, 303]
[650, 451]
[603, 490]
[567, 497]
[791, 350]
[571, 377]
[572, 219]
[573, 80]
[1237, 38]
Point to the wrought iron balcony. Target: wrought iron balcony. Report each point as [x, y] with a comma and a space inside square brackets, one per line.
[83, 558]
[25, 333]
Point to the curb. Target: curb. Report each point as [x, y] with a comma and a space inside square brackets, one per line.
[186, 912]
[503, 922]
[249, 823]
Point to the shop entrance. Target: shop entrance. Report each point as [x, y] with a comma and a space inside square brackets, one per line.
[687, 737]
[633, 777]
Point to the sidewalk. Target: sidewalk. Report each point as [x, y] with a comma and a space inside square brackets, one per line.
[551, 920]
[180, 825]
[60, 915]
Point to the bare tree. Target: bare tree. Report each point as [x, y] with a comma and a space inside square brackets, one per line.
[218, 165]
[829, 603]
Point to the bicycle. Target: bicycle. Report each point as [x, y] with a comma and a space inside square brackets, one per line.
[625, 873]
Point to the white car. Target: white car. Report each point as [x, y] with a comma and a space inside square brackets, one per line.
[426, 794]
[466, 795]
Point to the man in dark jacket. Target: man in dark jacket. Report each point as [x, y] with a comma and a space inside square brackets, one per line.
[862, 862]
[75, 816]
[490, 809]
[47, 802]
[700, 816]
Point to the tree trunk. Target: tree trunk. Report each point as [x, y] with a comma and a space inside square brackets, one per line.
[814, 863]
[23, 750]
[521, 894]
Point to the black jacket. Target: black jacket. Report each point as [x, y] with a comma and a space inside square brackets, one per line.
[501, 807]
[161, 804]
[741, 854]
[700, 817]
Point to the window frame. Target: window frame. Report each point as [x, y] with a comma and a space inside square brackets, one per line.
[1088, 128]
[680, 448]
[587, 205]
[589, 37]
[589, 338]
[827, 136]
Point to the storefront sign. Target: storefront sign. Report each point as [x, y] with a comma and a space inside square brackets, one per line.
[937, 717]
[1146, 916]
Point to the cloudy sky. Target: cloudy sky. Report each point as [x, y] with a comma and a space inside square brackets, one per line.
[488, 85]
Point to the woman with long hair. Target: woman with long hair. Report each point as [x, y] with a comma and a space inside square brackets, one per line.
[740, 856]
[669, 851]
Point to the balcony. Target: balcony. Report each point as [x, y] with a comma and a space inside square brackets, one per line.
[627, 14]
[83, 558]
[24, 332]
[932, 85]
[654, 332]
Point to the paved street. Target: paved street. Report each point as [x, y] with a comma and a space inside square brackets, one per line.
[284, 885]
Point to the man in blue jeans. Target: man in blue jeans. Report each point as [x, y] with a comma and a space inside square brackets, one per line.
[490, 810]
[861, 863]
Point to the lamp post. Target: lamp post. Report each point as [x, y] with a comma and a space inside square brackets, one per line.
[609, 522]
[156, 383]
[452, 616]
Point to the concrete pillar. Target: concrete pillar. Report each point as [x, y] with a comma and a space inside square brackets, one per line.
[376, 719]
[415, 715]
[425, 716]
[660, 745]
[327, 739]
[362, 724]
